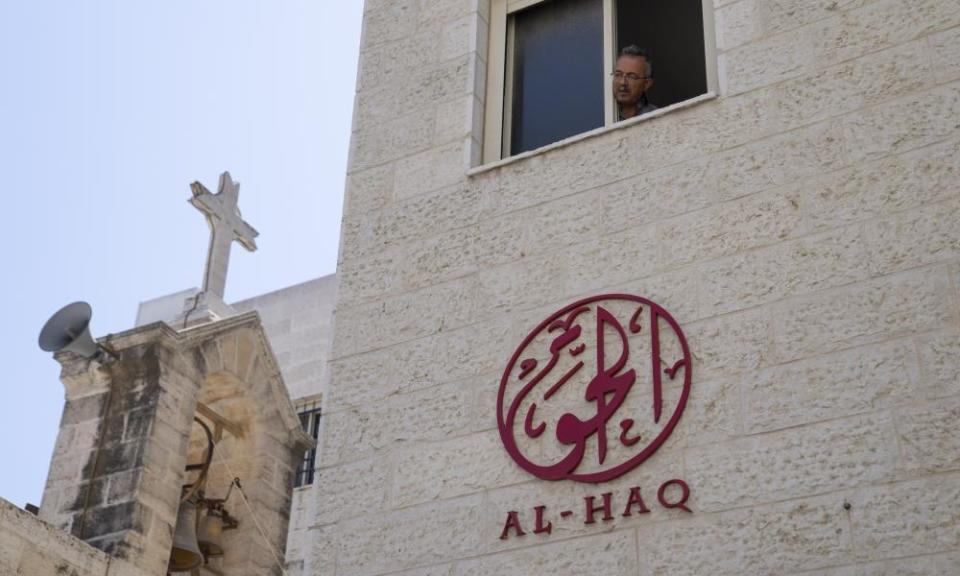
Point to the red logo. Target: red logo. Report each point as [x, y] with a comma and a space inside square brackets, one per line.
[595, 389]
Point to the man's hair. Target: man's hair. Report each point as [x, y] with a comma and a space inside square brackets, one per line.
[635, 51]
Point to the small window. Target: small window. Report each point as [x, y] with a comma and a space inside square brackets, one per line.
[310, 420]
[555, 66]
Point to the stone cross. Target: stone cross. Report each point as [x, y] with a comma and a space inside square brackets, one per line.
[226, 225]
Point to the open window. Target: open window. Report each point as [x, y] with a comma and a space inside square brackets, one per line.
[551, 64]
[308, 411]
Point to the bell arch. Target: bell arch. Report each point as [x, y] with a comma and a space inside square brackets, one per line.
[119, 473]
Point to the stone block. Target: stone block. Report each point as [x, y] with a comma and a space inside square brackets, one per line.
[712, 415]
[768, 61]
[774, 539]
[945, 53]
[349, 491]
[502, 239]
[423, 89]
[929, 438]
[611, 554]
[729, 228]
[369, 189]
[434, 12]
[923, 236]
[880, 187]
[388, 21]
[390, 63]
[655, 195]
[454, 121]
[676, 291]
[780, 15]
[940, 363]
[415, 365]
[737, 24]
[738, 173]
[397, 540]
[457, 38]
[928, 565]
[440, 258]
[907, 518]
[522, 284]
[564, 171]
[430, 170]
[11, 549]
[405, 317]
[561, 224]
[880, 24]
[793, 463]
[388, 140]
[730, 344]
[885, 129]
[430, 415]
[612, 259]
[862, 313]
[83, 409]
[122, 486]
[456, 467]
[790, 268]
[435, 212]
[728, 122]
[843, 88]
[858, 380]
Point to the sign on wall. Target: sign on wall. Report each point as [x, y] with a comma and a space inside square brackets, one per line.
[590, 394]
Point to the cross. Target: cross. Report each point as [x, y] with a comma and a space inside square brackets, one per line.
[226, 225]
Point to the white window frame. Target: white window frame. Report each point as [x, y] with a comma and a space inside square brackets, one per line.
[313, 405]
[500, 69]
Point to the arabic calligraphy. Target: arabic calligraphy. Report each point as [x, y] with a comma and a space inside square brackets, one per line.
[595, 389]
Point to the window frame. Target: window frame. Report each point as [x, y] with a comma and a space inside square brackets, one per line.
[306, 469]
[496, 129]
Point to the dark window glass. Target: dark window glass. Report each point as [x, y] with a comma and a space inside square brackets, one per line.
[310, 420]
[672, 33]
[558, 79]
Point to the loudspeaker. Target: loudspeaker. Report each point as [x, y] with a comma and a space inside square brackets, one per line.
[69, 330]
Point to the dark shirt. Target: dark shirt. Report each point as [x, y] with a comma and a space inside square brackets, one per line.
[645, 108]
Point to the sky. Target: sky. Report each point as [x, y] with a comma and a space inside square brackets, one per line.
[108, 110]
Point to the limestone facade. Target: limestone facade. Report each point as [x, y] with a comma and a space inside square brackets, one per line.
[803, 226]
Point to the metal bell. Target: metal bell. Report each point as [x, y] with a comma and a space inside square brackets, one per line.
[210, 535]
[185, 554]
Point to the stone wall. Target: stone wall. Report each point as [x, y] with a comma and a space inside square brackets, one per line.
[804, 229]
[30, 546]
[298, 321]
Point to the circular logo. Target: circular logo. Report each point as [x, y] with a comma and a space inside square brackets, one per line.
[595, 389]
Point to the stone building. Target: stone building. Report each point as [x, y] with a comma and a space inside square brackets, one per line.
[797, 215]
[779, 241]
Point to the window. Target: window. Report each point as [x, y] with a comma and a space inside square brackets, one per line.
[551, 64]
[310, 420]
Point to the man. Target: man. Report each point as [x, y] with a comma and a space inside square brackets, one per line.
[632, 77]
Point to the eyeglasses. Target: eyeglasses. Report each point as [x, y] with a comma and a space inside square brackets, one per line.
[630, 76]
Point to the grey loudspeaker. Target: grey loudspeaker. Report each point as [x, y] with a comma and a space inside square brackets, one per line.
[69, 330]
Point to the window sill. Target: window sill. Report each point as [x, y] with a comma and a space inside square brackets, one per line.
[592, 133]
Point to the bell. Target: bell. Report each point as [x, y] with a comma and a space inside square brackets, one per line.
[210, 536]
[185, 555]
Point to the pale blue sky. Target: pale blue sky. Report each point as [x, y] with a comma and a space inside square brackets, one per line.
[108, 110]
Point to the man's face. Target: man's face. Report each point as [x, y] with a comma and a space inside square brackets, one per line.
[630, 79]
